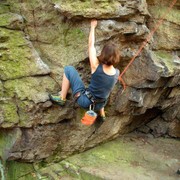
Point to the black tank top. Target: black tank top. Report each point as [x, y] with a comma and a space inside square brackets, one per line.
[101, 84]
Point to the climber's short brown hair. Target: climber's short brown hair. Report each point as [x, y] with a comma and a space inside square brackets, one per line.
[110, 54]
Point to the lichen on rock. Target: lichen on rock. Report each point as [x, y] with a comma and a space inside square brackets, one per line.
[8, 114]
[100, 9]
[11, 21]
[18, 58]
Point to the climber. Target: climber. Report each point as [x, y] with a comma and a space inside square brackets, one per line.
[103, 77]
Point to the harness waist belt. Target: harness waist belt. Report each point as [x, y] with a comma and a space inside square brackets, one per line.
[92, 99]
[89, 96]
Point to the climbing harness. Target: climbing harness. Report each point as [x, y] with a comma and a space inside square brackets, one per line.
[90, 115]
[145, 42]
[92, 98]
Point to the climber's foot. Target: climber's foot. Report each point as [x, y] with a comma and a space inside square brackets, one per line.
[57, 99]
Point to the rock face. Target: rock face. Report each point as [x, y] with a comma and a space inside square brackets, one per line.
[132, 156]
[39, 38]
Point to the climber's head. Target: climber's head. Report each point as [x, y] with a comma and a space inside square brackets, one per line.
[110, 54]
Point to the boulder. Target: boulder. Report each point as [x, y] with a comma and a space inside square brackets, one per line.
[39, 38]
[100, 9]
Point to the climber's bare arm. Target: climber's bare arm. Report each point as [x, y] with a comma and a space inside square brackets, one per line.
[92, 51]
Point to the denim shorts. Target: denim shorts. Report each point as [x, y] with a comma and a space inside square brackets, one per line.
[77, 85]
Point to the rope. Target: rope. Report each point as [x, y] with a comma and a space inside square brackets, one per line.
[145, 42]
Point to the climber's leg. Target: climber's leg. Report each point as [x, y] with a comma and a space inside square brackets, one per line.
[75, 81]
[65, 87]
[71, 79]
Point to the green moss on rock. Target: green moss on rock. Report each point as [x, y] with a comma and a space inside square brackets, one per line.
[73, 33]
[7, 19]
[18, 58]
[14, 6]
[129, 157]
[25, 117]
[34, 89]
[4, 7]
[167, 35]
[90, 9]
[31, 93]
[50, 171]
[161, 11]
[166, 59]
[69, 43]
[126, 158]
[107, 153]
[20, 171]
[164, 55]
[7, 140]
[8, 116]
[1, 89]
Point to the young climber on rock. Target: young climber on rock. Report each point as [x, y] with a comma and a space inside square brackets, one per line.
[103, 77]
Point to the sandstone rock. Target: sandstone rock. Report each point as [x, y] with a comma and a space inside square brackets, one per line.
[56, 138]
[175, 92]
[55, 34]
[167, 34]
[158, 127]
[18, 58]
[7, 140]
[130, 156]
[123, 103]
[168, 61]
[11, 21]
[174, 129]
[112, 126]
[138, 100]
[30, 107]
[4, 7]
[142, 69]
[8, 114]
[147, 72]
[36, 86]
[18, 170]
[1, 90]
[54, 171]
[55, 141]
[174, 81]
[144, 129]
[111, 28]
[171, 113]
[100, 9]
